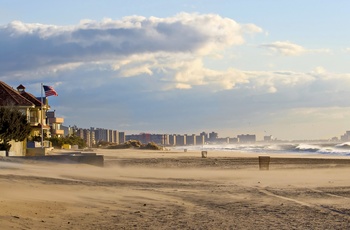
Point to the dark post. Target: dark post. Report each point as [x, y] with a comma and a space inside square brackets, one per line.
[264, 162]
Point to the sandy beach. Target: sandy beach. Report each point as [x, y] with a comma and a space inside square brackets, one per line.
[142, 189]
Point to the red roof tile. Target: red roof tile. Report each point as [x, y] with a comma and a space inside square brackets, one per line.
[10, 97]
[30, 97]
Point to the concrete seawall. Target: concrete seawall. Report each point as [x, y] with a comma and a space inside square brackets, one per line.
[68, 158]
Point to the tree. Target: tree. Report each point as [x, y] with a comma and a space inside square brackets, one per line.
[75, 140]
[56, 141]
[13, 126]
[71, 140]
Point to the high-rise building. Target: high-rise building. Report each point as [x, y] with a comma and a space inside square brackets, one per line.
[205, 135]
[191, 139]
[181, 140]
[122, 137]
[200, 140]
[268, 138]
[165, 139]
[87, 137]
[213, 136]
[115, 137]
[246, 138]
[172, 139]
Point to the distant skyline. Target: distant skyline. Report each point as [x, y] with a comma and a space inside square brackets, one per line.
[278, 68]
[338, 137]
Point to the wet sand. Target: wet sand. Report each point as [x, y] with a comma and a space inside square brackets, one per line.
[139, 189]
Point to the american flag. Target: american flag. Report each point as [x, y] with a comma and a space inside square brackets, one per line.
[49, 91]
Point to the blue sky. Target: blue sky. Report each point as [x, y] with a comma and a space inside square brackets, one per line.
[276, 68]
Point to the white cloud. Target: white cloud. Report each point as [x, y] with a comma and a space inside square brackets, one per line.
[183, 86]
[321, 113]
[27, 47]
[285, 48]
[144, 69]
[274, 81]
[171, 49]
[319, 70]
[252, 29]
[321, 51]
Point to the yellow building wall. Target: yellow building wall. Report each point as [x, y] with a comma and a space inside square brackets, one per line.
[18, 148]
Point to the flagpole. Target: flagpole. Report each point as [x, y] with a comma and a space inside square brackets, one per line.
[42, 118]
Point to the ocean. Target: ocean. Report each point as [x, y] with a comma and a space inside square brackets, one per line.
[331, 149]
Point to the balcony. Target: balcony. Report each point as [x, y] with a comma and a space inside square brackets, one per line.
[56, 120]
[57, 132]
[33, 121]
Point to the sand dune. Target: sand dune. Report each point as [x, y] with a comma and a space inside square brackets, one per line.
[174, 190]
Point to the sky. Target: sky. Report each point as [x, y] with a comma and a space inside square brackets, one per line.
[277, 68]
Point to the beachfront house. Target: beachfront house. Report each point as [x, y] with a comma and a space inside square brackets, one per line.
[36, 109]
[37, 114]
[11, 98]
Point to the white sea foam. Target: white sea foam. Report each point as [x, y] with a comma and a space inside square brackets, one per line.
[334, 149]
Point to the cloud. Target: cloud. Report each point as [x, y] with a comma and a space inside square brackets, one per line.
[183, 86]
[177, 66]
[317, 51]
[144, 69]
[285, 48]
[31, 47]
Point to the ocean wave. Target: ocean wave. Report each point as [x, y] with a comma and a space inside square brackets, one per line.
[340, 149]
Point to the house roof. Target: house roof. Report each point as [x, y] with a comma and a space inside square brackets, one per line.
[21, 87]
[30, 97]
[10, 97]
